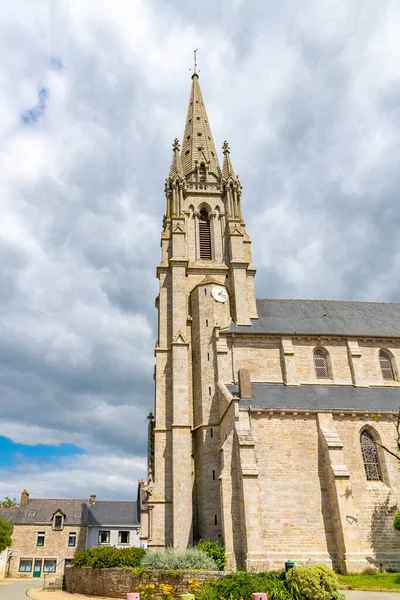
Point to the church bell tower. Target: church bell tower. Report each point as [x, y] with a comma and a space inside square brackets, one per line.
[206, 280]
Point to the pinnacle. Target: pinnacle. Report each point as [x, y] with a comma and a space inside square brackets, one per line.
[198, 144]
[176, 164]
[227, 168]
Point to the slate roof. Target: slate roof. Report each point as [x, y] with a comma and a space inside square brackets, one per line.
[320, 397]
[45, 508]
[8, 514]
[110, 512]
[324, 317]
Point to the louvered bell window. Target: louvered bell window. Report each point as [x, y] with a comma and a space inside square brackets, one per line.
[204, 236]
[386, 366]
[321, 365]
[370, 457]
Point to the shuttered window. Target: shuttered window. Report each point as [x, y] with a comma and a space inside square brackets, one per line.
[321, 365]
[370, 457]
[204, 236]
[386, 366]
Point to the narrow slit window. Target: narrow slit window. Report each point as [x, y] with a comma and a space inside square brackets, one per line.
[215, 520]
[386, 366]
[213, 475]
[205, 236]
[321, 365]
[370, 457]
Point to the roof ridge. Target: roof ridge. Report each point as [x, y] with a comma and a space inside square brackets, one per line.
[330, 300]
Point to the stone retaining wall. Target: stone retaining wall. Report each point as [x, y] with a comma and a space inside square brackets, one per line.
[116, 583]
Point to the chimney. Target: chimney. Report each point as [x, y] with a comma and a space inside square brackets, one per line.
[24, 498]
[92, 499]
[244, 383]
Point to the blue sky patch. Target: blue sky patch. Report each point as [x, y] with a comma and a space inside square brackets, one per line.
[56, 63]
[33, 114]
[12, 453]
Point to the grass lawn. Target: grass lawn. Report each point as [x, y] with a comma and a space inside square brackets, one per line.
[380, 581]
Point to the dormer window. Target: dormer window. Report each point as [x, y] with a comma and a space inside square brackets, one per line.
[31, 514]
[58, 522]
[77, 515]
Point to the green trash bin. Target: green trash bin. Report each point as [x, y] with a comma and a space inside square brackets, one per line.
[289, 564]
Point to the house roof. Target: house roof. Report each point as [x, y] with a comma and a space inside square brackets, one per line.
[114, 512]
[8, 514]
[320, 397]
[324, 317]
[44, 509]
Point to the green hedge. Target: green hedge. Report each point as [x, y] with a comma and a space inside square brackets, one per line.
[214, 551]
[315, 582]
[101, 557]
[241, 585]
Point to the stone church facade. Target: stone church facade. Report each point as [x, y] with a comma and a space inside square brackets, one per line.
[269, 414]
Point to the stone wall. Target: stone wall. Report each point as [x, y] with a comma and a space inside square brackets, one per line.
[116, 583]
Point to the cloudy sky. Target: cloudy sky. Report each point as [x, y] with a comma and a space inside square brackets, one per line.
[92, 94]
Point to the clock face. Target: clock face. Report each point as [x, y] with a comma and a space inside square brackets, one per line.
[219, 293]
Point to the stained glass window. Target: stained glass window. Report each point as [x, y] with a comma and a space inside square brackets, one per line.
[386, 366]
[370, 457]
[320, 364]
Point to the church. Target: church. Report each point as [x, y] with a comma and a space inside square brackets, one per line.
[270, 414]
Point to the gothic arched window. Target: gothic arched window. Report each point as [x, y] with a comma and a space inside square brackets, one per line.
[204, 236]
[321, 364]
[386, 366]
[370, 457]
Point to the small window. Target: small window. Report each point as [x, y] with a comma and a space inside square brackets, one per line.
[321, 365]
[77, 515]
[72, 539]
[213, 474]
[370, 457]
[123, 537]
[58, 522]
[31, 514]
[104, 537]
[215, 520]
[386, 366]
[25, 565]
[40, 538]
[49, 565]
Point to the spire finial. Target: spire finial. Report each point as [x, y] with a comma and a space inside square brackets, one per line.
[195, 62]
[175, 145]
[225, 147]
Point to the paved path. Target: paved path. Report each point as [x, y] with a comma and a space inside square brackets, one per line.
[15, 589]
[358, 595]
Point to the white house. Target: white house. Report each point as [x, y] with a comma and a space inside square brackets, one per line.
[113, 523]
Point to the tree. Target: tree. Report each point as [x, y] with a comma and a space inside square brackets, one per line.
[9, 503]
[5, 534]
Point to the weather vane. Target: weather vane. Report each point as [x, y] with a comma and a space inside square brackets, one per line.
[195, 62]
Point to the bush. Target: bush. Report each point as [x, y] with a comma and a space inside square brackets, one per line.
[315, 582]
[369, 571]
[178, 559]
[241, 585]
[396, 522]
[214, 551]
[107, 557]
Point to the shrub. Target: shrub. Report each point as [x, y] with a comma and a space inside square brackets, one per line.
[241, 585]
[106, 557]
[214, 551]
[177, 559]
[369, 571]
[314, 582]
[396, 522]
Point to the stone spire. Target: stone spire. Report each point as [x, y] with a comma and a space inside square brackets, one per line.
[231, 186]
[227, 169]
[176, 164]
[174, 184]
[198, 144]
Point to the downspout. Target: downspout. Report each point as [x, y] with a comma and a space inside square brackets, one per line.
[233, 359]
